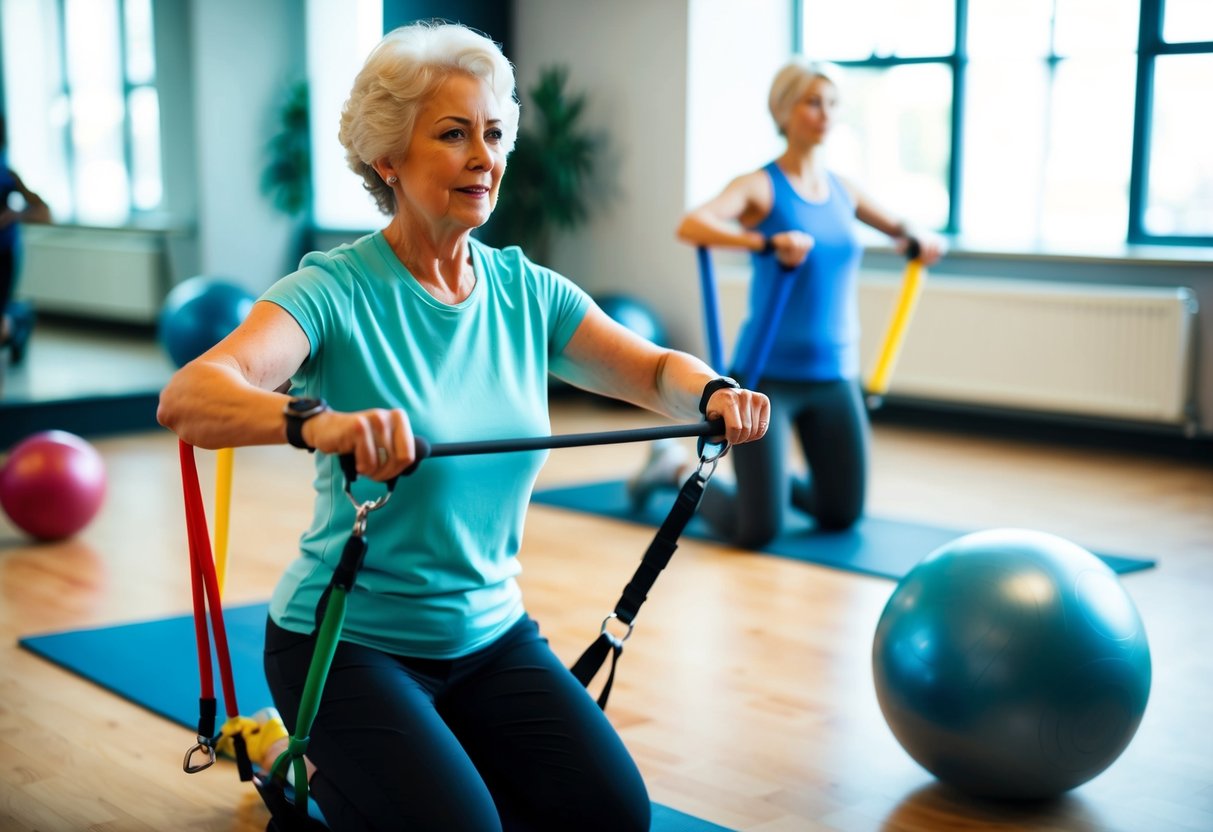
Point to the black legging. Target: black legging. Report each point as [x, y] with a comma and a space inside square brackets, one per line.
[8, 278]
[505, 738]
[831, 423]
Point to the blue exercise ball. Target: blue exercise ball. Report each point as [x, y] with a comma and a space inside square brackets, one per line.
[636, 315]
[199, 313]
[1012, 664]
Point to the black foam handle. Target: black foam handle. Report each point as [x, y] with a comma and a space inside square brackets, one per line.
[913, 248]
[421, 446]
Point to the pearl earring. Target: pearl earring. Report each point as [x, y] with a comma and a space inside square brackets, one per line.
[392, 180]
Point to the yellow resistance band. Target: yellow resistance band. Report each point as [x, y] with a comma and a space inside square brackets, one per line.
[223, 505]
[911, 287]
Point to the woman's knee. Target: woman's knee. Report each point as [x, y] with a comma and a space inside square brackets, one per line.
[838, 515]
[610, 812]
[754, 532]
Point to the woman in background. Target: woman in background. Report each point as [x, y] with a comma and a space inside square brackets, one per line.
[794, 213]
[17, 320]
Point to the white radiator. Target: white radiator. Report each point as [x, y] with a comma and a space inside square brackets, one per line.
[1118, 352]
[97, 273]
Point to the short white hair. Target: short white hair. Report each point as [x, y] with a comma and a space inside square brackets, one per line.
[401, 72]
[790, 83]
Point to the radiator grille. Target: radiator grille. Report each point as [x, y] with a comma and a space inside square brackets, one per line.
[107, 274]
[1118, 352]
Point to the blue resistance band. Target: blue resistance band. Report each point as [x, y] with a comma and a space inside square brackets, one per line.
[747, 369]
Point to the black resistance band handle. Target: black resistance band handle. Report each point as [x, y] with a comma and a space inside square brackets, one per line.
[913, 248]
[425, 449]
[714, 427]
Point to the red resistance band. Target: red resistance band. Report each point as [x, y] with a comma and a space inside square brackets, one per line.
[205, 588]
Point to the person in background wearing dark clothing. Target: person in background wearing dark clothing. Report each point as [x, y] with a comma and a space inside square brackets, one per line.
[18, 319]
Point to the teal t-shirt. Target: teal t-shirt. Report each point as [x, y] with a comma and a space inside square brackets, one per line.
[439, 579]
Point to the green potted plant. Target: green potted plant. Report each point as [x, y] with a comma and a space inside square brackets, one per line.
[544, 190]
[286, 178]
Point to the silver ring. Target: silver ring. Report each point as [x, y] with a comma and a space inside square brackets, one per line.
[382, 452]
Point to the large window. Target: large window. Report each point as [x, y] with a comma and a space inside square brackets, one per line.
[82, 107]
[1020, 122]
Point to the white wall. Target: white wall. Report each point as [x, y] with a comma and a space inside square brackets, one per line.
[630, 57]
[244, 57]
[657, 99]
[340, 35]
[729, 129]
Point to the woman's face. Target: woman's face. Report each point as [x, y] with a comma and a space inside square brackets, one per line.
[455, 160]
[813, 112]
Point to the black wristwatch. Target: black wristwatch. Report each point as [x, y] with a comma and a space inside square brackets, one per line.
[711, 387]
[297, 412]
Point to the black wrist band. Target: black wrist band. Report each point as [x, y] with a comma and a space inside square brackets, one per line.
[298, 411]
[768, 246]
[711, 387]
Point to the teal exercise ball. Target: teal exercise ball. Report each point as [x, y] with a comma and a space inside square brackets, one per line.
[199, 313]
[1012, 664]
[636, 315]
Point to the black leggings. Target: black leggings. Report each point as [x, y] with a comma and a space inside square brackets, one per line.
[505, 738]
[8, 278]
[831, 422]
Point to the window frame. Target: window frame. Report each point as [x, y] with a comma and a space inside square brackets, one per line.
[133, 214]
[1151, 46]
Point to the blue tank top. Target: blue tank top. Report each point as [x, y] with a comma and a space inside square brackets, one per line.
[818, 334]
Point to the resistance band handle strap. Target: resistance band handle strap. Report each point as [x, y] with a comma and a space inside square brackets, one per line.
[207, 708]
[591, 660]
[655, 559]
[658, 555]
[352, 557]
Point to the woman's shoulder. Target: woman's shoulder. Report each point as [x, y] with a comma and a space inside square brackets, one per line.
[507, 257]
[341, 262]
[344, 254]
[510, 266]
[509, 263]
[759, 177]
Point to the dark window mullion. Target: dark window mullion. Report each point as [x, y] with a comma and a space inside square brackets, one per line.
[960, 69]
[128, 127]
[1149, 39]
[1198, 47]
[889, 61]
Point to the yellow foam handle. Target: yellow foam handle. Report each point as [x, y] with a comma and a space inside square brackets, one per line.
[911, 287]
[223, 505]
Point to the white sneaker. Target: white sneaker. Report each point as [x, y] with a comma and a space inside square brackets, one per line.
[663, 469]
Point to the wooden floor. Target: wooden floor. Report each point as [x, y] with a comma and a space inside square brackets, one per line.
[745, 694]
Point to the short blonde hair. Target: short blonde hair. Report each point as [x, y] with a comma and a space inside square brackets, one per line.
[401, 72]
[790, 84]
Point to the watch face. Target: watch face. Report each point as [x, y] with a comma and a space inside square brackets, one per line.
[305, 406]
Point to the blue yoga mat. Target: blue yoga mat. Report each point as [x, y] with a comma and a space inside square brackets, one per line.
[874, 546]
[155, 665]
